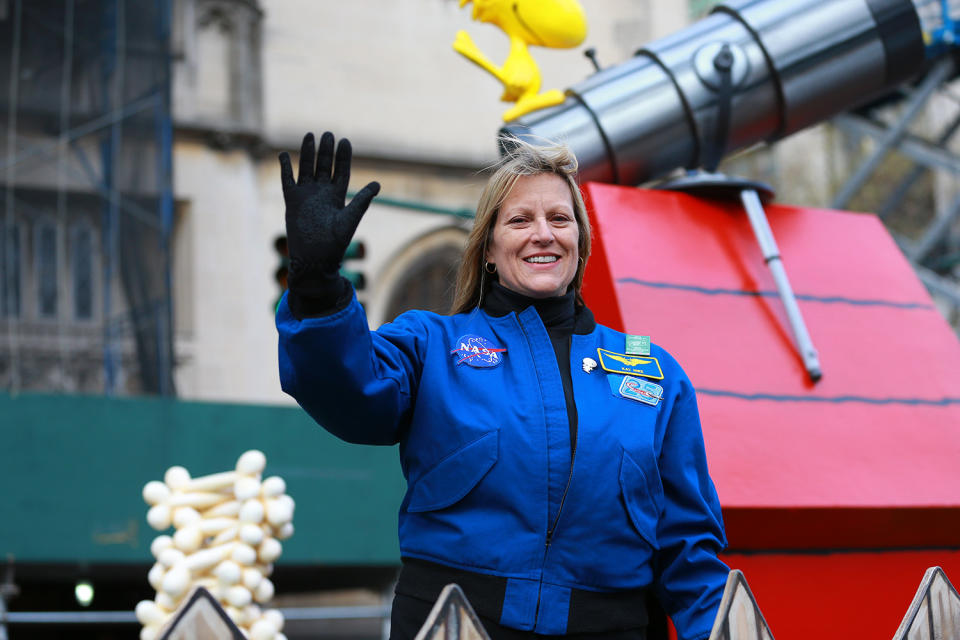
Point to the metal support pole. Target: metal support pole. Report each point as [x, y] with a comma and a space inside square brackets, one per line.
[8, 589]
[10, 227]
[3, 616]
[116, 52]
[892, 137]
[771, 254]
[386, 600]
[921, 151]
[900, 192]
[164, 123]
[935, 232]
[63, 222]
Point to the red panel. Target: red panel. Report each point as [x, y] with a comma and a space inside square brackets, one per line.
[839, 595]
[881, 430]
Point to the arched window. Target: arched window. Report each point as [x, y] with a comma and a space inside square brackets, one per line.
[423, 274]
[428, 283]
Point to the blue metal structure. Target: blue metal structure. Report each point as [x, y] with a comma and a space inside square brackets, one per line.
[88, 139]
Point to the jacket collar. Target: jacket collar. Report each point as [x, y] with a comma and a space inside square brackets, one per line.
[559, 312]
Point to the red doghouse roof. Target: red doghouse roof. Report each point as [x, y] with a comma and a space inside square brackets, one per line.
[867, 457]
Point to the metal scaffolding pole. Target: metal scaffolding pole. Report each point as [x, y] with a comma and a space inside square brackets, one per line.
[11, 228]
[164, 123]
[111, 165]
[941, 71]
[66, 76]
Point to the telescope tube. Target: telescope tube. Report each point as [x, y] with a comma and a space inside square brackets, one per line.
[795, 63]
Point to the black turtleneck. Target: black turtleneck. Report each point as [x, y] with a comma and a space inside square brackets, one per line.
[562, 319]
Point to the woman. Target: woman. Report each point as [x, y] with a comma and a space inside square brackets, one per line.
[555, 492]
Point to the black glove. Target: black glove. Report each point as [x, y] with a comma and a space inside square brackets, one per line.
[320, 225]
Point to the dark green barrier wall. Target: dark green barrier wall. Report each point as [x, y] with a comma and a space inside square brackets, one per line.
[72, 469]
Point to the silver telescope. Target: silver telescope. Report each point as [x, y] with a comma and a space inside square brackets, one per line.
[794, 64]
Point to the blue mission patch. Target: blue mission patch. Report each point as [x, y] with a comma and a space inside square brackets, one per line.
[477, 351]
[637, 389]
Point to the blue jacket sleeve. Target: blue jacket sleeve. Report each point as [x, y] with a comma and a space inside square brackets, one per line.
[358, 384]
[690, 577]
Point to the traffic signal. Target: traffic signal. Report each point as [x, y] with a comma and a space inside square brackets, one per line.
[355, 251]
[280, 275]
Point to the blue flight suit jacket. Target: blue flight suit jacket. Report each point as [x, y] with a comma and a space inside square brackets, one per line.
[486, 454]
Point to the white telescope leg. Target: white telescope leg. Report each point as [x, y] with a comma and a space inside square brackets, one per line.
[771, 254]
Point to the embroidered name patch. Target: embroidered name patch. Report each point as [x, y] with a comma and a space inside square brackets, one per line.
[645, 366]
[477, 351]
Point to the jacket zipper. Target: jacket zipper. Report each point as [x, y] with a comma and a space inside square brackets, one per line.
[563, 498]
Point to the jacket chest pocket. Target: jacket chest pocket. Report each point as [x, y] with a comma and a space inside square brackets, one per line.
[642, 492]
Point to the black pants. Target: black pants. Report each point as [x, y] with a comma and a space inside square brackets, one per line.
[410, 613]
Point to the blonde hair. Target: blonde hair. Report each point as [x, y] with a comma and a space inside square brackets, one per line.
[520, 158]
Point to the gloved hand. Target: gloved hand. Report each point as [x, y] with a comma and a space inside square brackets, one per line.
[320, 224]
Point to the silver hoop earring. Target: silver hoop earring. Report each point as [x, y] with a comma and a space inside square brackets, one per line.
[487, 265]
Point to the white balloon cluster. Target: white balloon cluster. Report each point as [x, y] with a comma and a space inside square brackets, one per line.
[228, 527]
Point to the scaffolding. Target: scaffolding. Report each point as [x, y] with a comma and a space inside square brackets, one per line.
[910, 176]
[85, 293]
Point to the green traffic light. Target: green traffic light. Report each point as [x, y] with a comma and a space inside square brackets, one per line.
[355, 251]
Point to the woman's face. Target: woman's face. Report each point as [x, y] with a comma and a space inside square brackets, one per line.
[535, 236]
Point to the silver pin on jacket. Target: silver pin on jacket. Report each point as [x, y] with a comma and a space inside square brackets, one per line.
[589, 364]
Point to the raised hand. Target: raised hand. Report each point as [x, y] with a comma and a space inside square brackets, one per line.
[319, 222]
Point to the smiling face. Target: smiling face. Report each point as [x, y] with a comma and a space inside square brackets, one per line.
[535, 236]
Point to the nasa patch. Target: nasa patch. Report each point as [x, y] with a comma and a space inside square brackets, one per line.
[477, 351]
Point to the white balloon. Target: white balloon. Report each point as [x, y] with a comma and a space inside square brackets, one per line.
[279, 511]
[263, 629]
[251, 578]
[170, 557]
[188, 539]
[251, 462]
[227, 572]
[155, 492]
[244, 554]
[252, 511]
[285, 531]
[251, 534]
[264, 591]
[155, 576]
[185, 516]
[176, 581]
[159, 544]
[165, 602]
[246, 487]
[276, 617]
[239, 596]
[249, 615]
[228, 509]
[149, 614]
[158, 516]
[273, 487]
[225, 536]
[270, 550]
[149, 633]
[176, 477]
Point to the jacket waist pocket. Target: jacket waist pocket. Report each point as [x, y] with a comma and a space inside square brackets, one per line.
[642, 494]
[455, 476]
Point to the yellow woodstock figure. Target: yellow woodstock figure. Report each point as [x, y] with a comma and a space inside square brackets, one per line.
[559, 24]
